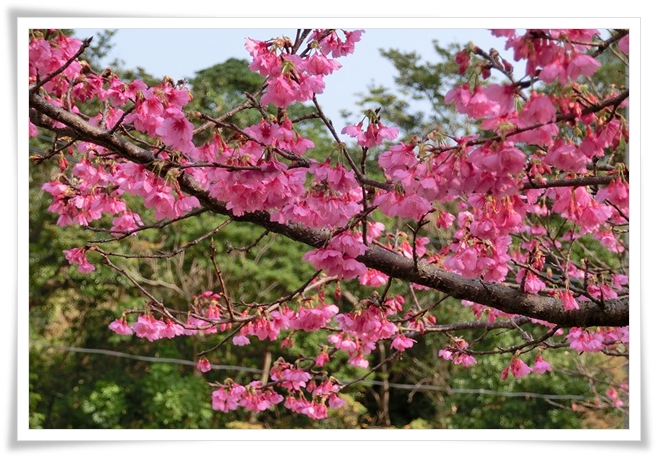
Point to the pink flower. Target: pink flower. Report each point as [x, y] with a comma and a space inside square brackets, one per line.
[172, 330]
[148, 327]
[623, 44]
[314, 318]
[338, 178]
[582, 340]
[398, 204]
[401, 342]
[124, 223]
[176, 131]
[446, 354]
[78, 256]
[335, 401]
[582, 64]
[568, 300]
[541, 366]
[322, 358]
[225, 399]
[374, 135]
[554, 71]
[566, 156]
[398, 157]
[333, 44]
[240, 340]
[617, 192]
[373, 278]
[339, 257]
[265, 61]
[203, 365]
[533, 284]
[460, 96]
[281, 92]
[319, 64]
[358, 361]
[480, 105]
[517, 367]
[465, 360]
[120, 326]
[538, 110]
[294, 378]
[503, 95]
[462, 60]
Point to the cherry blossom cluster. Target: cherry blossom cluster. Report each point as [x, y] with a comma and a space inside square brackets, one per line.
[534, 184]
[293, 78]
[356, 334]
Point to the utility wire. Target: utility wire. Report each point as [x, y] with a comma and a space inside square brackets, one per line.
[143, 358]
[364, 382]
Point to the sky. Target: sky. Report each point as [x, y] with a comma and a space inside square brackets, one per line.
[179, 53]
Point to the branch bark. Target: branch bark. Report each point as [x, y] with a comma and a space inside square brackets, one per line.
[613, 313]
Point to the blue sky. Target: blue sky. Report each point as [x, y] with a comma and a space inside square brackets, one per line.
[179, 53]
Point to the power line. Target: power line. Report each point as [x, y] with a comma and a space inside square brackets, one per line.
[364, 382]
[143, 358]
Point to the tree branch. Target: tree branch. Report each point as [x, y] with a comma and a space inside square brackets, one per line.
[614, 313]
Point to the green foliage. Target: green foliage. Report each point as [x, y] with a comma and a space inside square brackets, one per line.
[178, 399]
[36, 418]
[105, 405]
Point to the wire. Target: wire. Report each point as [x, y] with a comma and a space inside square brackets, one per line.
[364, 382]
[143, 358]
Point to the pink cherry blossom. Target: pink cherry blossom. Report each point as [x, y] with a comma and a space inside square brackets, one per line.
[623, 44]
[460, 96]
[321, 359]
[517, 367]
[582, 65]
[538, 110]
[401, 342]
[311, 319]
[172, 329]
[488, 195]
[336, 46]
[567, 157]
[568, 300]
[175, 130]
[227, 399]
[583, 340]
[540, 366]
[203, 365]
[240, 340]
[78, 256]
[120, 326]
[374, 135]
[148, 327]
[404, 205]
[480, 105]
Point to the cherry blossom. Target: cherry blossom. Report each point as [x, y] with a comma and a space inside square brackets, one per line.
[506, 210]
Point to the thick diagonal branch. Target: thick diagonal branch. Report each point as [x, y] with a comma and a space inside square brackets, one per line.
[614, 312]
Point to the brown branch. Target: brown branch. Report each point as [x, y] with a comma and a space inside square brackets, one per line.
[575, 182]
[498, 324]
[501, 297]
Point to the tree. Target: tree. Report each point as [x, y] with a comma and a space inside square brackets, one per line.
[523, 222]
